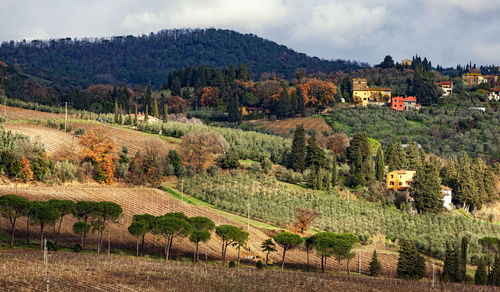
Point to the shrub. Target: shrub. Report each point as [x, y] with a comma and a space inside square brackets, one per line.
[213, 170]
[232, 264]
[65, 171]
[259, 265]
[77, 248]
[79, 131]
[52, 124]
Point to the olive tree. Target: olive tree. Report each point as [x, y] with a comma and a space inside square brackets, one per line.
[287, 241]
[11, 208]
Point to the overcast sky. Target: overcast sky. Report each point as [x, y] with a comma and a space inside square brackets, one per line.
[447, 32]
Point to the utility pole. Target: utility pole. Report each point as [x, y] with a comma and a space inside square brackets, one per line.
[248, 217]
[109, 244]
[433, 275]
[182, 191]
[46, 263]
[348, 194]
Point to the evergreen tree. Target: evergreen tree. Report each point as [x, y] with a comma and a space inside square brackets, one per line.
[120, 119]
[334, 173]
[242, 73]
[155, 113]
[358, 177]
[401, 155]
[480, 277]
[115, 118]
[301, 108]
[411, 264]
[146, 114]
[375, 267]
[463, 259]
[176, 86]
[147, 95]
[426, 189]
[135, 114]
[283, 105]
[165, 113]
[451, 269]
[391, 158]
[413, 156]
[298, 154]
[379, 165]
[494, 276]
[467, 191]
[358, 142]
[234, 112]
[293, 102]
[315, 156]
[424, 87]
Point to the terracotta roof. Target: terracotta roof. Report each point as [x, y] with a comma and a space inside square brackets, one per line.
[410, 98]
[496, 89]
[377, 89]
[472, 74]
[445, 83]
[445, 188]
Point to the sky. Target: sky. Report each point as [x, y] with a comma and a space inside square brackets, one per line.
[447, 32]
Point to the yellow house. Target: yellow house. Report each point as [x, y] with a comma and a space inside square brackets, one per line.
[363, 97]
[473, 79]
[406, 63]
[399, 180]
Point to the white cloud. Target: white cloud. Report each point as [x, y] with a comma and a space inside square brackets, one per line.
[247, 15]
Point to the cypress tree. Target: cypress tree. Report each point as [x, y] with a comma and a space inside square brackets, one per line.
[135, 114]
[234, 113]
[293, 102]
[401, 156]
[283, 105]
[334, 173]
[165, 113]
[358, 177]
[494, 276]
[413, 156]
[120, 119]
[315, 156]
[156, 114]
[129, 119]
[301, 108]
[146, 114]
[463, 259]
[451, 264]
[176, 86]
[411, 264]
[115, 118]
[147, 95]
[379, 165]
[375, 267]
[358, 142]
[298, 156]
[426, 189]
[480, 277]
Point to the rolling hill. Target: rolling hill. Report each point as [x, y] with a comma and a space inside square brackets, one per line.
[138, 59]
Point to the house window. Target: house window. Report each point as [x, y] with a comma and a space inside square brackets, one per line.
[392, 175]
[400, 183]
[392, 183]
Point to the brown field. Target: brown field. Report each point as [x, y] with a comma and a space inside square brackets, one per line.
[284, 126]
[15, 113]
[139, 200]
[25, 271]
[55, 140]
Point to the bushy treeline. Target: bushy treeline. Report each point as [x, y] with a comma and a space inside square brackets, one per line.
[274, 202]
[127, 59]
[446, 132]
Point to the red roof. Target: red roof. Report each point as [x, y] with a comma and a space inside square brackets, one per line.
[496, 89]
[411, 98]
[445, 83]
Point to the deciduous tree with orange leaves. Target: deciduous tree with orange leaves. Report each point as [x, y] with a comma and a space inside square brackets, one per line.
[318, 92]
[209, 96]
[27, 174]
[100, 150]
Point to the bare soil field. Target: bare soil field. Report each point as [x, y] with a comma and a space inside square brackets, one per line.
[284, 126]
[25, 271]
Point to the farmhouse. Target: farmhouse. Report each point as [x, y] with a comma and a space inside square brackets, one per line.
[447, 87]
[446, 197]
[399, 103]
[473, 79]
[399, 180]
[406, 63]
[362, 94]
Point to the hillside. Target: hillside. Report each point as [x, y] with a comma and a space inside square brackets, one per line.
[137, 60]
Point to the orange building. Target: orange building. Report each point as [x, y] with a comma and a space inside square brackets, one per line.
[399, 103]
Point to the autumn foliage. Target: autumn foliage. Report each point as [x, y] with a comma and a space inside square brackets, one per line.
[27, 174]
[304, 217]
[98, 149]
[318, 91]
[209, 96]
[200, 149]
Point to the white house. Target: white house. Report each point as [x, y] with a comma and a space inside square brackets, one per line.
[447, 197]
[494, 94]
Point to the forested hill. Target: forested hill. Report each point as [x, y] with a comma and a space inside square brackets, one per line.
[137, 60]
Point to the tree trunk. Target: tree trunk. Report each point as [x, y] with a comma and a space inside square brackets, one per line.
[196, 253]
[283, 260]
[137, 247]
[85, 234]
[267, 258]
[58, 230]
[167, 249]
[322, 263]
[41, 236]
[171, 241]
[325, 263]
[338, 267]
[348, 270]
[222, 256]
[12, 233]
[142, 244]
